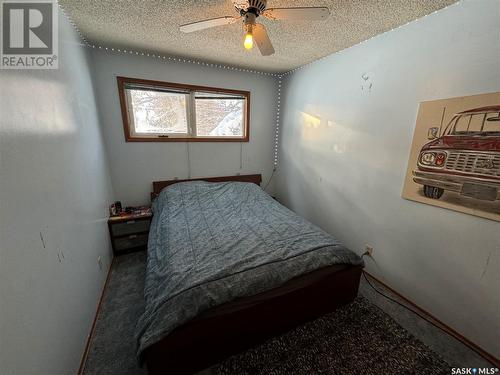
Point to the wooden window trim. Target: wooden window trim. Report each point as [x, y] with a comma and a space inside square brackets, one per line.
[129, 137]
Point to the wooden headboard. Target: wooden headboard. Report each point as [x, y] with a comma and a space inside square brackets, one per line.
[158, 186]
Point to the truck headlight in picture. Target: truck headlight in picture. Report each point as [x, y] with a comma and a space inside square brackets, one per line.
[433, 159]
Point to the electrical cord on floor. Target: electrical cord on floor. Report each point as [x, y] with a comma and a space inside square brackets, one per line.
[413, 311]
[403, 305]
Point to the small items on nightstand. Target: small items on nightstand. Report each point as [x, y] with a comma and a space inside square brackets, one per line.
[115, 208]
[129, 229]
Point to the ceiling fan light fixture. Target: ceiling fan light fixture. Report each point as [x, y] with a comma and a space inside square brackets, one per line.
[248, 29]
[248, 42]
[249, 11]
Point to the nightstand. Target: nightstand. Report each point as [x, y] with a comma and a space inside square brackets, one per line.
[129, 232]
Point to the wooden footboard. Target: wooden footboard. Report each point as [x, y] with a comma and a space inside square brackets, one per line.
[202, 343]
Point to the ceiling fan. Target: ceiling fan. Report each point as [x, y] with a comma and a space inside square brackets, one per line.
[249, 11]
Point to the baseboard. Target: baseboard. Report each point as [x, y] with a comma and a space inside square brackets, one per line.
[483, 353]
[92, 329]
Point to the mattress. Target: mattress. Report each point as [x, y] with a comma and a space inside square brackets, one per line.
[211, 244]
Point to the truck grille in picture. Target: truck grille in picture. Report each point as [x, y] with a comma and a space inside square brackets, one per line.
[474, 163]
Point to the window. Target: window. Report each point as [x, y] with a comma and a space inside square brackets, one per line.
[492, 123]
[167, 112]
[462, 124]
[476, 123]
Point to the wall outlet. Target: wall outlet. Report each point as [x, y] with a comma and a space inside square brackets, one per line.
[99, 262]
[369, 250]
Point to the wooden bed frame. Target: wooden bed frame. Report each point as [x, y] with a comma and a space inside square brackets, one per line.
[206, 341]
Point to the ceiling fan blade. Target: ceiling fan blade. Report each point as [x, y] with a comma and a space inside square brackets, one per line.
[297, 14]
[206, 24]
[263, 42]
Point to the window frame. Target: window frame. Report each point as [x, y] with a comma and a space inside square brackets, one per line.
[131, 136]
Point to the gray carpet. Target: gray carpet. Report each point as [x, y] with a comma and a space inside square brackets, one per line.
[358, 338]
[113, 347]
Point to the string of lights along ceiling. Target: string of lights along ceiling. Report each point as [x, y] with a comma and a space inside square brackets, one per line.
[245, 4]
[248, 12]
[243, 7]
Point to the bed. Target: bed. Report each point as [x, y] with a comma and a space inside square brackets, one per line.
[228, 267]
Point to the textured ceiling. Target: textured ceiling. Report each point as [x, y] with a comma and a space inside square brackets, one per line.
[153, 26]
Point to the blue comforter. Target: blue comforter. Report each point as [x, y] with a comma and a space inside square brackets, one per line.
[210, 243]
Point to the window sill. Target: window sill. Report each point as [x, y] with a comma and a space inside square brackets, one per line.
[187, 139]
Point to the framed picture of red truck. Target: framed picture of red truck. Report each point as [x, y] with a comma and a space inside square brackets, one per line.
[455, 155]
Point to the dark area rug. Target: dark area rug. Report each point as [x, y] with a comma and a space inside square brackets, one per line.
[355, 339]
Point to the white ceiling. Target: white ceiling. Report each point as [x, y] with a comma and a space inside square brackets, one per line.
[153, 26]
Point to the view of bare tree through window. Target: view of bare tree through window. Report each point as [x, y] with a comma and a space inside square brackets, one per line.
[159, 112]
[169, 112]
[219, 117]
